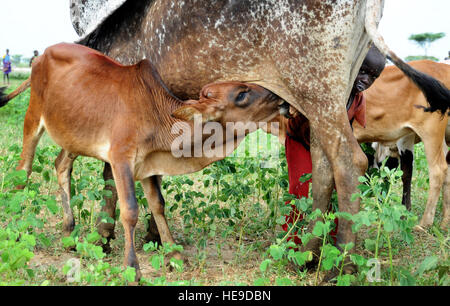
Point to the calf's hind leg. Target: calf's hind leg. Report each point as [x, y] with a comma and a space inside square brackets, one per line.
[63, 165]
[32, 132]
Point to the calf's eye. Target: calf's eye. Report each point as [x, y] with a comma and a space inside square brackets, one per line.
[241, 96]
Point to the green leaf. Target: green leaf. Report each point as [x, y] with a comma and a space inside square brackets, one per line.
[305, 177]
[46, 175]
[264, 265]
[44, 240]
[68, 241]
[300, 258]
[262, 281]
[284, 281]
[345, 280]
[428, 263]
[52, 206]
[319, 229]
[129, 274]
[157, 261]
[362, 179]
[276, 251]
[93, 237]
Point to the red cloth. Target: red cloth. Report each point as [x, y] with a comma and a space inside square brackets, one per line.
[299, 161]
[358, 110]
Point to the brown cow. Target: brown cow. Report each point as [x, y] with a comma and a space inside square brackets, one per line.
[92, 106]
[395, 114]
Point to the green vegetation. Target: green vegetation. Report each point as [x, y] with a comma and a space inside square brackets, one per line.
[226, 220]
[424, 41]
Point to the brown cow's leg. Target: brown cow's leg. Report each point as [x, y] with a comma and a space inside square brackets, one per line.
[434, 151]
[322, 188]
[446, 198]
[63, 165]
[406, 164]
[129, 210]
[348, 162]
[155, 200]
[106, 230]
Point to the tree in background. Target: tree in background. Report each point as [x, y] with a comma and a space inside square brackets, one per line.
[424, 40]
[16, 58]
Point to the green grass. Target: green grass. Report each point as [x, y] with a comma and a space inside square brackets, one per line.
[225, 217]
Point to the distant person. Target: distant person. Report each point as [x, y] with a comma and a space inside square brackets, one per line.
[35, 55]
[6, 67]
[447, 59]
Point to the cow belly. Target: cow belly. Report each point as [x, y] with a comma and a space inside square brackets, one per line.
[297, 49]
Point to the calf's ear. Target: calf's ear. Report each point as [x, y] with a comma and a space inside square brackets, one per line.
[189, 112]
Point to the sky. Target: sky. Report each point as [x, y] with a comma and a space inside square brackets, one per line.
[26, 25]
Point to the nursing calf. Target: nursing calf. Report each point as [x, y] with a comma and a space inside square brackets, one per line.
[91, 105]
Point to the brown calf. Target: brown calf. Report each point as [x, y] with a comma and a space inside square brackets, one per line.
[91, 105]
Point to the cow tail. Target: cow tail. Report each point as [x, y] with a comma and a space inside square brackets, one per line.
[4, 98]
[437, 95]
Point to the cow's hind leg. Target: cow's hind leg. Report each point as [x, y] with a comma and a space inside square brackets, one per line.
[437, 168]
[106, 229]
[152, 190]
[406, 150]
[63, 165]
[446, 198]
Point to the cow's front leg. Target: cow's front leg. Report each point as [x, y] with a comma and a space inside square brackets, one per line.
[106, 229]
[322, 188]
[129, 211]
[347, 161]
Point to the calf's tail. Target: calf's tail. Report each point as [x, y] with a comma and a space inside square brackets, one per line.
[4, 98]
[437, 95]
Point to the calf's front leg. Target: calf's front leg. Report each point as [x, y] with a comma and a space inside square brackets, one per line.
[129, 211]
[105, 229]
